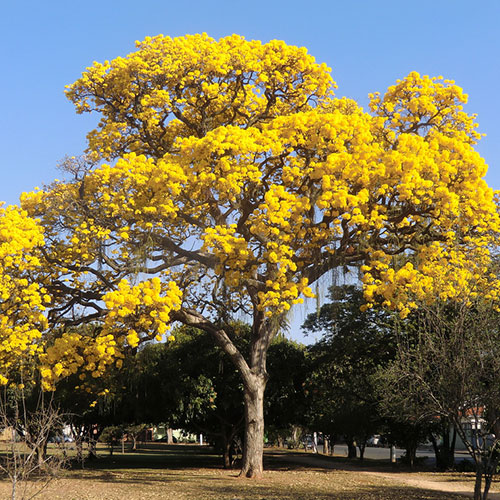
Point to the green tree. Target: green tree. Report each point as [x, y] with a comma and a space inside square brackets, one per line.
[192, 384]
[286, 405]
[343, 399]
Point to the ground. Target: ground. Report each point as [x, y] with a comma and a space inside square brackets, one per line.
[183, 473]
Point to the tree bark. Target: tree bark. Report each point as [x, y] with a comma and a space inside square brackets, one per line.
[170, 435]
[411, 453]
[351, 447]
[325, 445]
[362, 447]
[226, 454]
[478, 494]
[253, 449]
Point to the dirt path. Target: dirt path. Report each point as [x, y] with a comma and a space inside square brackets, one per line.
[421, 480]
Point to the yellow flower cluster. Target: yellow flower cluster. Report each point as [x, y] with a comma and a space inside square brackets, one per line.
[418, 103]
[447, 271]
[142, 309]
[194, 83]
[134, 312]
[22, 301]
[72, 353]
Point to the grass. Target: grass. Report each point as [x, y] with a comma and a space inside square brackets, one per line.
[182, 472]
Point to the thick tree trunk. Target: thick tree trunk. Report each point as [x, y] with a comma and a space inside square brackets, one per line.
[445, 452]
[253, 373]
[253, 449]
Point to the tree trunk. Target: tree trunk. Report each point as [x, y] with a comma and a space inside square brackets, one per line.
[351, 447]
[92, 447]
[411, 453]
[226, 453]
[170, 435]
[451, 457]
[445, 452]
[487, 483]
[437, 451]
[478, 495]
[362, 447]
[41, 454]
[253, 449]
[253, 373]
[14, 484]
[79, 450]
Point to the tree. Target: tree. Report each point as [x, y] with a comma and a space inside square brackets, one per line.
[26, 464]
[112, 436]
[234, 180]
[449, 371]
[191, 384]
[354, 344]
[285, 406]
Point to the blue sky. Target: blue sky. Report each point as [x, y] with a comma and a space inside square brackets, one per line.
[368, 45]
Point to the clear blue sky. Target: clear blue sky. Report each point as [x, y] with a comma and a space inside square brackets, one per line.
[368, 44]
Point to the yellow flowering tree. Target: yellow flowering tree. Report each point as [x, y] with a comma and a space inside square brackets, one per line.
[22, 300]
[224, 178]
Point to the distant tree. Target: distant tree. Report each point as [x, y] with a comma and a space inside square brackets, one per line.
[112, 436]
[449, 371]
[354, 343]
[286, 405]
[133, 431]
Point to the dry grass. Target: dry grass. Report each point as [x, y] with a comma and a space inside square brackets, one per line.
[183, 473]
